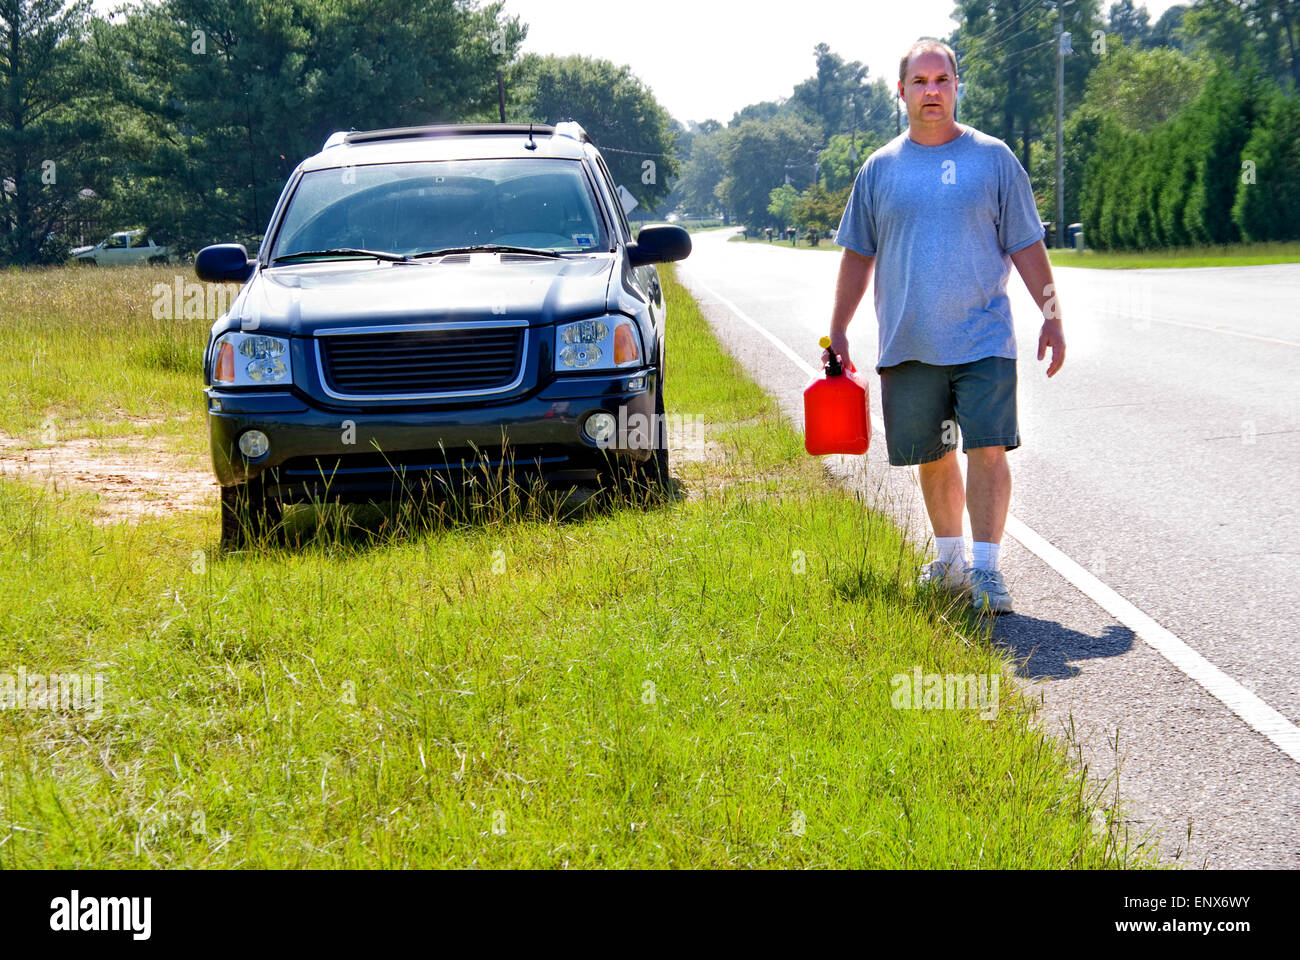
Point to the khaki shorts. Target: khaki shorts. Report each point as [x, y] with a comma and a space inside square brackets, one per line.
[925, 404]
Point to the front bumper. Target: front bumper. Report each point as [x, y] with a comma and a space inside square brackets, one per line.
[318, 453]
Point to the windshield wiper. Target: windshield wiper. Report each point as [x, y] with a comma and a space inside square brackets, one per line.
[345, 252]
[487, 248]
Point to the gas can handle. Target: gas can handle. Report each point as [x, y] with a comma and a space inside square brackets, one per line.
[833, 367]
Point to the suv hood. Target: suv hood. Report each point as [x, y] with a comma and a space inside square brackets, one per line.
[301, 300]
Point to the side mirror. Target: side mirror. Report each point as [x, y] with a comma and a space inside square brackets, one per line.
[224, 263]
[662, 243]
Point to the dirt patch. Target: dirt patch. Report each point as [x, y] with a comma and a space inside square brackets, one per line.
[707, 468]
[693, 456]
[132, 475]
[694, 449]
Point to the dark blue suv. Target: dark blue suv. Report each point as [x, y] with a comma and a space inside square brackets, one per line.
[430, 301]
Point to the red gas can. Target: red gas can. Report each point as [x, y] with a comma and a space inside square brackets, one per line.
[836, 418]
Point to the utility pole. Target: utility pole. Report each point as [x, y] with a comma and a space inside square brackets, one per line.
[1062, 48]
[853, 144]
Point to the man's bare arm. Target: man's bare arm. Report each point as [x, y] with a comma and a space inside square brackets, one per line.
[1035, 269]
[855, 275]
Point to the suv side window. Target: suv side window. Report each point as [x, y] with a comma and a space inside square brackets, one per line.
[613, 197]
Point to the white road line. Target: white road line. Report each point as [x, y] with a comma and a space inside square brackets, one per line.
[779, 344]
[1232, 333]
[1257, 714]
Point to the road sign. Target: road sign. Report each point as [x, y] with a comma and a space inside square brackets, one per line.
[626, 200]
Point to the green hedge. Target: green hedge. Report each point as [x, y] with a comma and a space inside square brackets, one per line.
[1225, 169]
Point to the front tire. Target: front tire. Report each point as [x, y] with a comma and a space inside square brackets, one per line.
[631, 477]
[658, 465]
[248, 514]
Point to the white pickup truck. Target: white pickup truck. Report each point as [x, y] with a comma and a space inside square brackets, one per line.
[125, 246]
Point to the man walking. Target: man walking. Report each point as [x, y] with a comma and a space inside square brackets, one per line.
[939, 214]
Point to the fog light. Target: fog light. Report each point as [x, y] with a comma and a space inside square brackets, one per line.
[636, 383]
[254, 444]
[600, 427]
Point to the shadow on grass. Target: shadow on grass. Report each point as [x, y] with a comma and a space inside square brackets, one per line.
[443, 507]
[1041, 649]
[898, 589]
[860, 585]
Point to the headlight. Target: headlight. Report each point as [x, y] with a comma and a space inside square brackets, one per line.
[596, 345]
[250, 359]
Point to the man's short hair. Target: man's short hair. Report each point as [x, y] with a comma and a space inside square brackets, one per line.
[925, 45]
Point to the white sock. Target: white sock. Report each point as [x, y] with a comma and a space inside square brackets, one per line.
[952, 550]
[986, 555]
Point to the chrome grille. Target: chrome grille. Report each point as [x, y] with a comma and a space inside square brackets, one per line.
[419, 363]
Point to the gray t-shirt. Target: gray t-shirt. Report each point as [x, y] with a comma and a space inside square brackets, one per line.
[941, 223]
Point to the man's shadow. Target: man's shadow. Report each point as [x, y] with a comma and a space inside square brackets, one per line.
[1043, 649]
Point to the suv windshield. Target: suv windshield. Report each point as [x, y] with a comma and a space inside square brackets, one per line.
[410, 208]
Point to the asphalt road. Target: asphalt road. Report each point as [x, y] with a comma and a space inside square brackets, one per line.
[1163, 462]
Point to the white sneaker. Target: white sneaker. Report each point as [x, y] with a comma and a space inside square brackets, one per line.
[948, 576]
[989, 593]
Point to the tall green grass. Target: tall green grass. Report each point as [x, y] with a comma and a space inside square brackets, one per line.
[88, 357]
[699, 680]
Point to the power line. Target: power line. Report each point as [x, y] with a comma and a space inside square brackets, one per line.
[991, 34]
[1032, 26]
[637, 153]
[1003, 28]
[1037, 45]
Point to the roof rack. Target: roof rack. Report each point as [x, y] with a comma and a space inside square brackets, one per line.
[573, 130]
[443, 130]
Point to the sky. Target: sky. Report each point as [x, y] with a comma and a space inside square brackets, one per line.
[706, 59]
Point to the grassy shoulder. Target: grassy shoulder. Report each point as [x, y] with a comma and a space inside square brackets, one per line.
[692, 226]
[707, 682]
[774, 242]
[1233, 255]
[1230, 255]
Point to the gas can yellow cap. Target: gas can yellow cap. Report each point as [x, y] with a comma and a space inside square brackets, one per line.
[824, 343]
